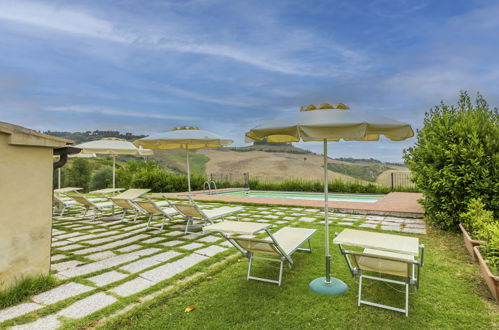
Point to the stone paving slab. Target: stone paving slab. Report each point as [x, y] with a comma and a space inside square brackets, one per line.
[210, 239]
[106, 278]
[191, 246]
[49, 322]
[18, 310]
[171, 269]
[87, 306]
[132, 287]
[174, 233]
[111, 245]
[129, 248]
[60, 293]
[65, 265]
[210, 251]
[70, 247]
[100, 255]
[172, 243]
[154, 240]
[144, 263]
[57, 257]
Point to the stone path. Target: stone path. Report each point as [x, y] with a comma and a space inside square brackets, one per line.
[101, 263]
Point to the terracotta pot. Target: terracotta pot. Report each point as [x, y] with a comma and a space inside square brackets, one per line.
[469, 243]
[491, 279]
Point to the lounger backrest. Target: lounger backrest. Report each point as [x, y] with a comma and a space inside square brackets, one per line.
[123, 203]
[382, 264]
[189, 210]
[148, 206]
[257, 245]
[82, 200]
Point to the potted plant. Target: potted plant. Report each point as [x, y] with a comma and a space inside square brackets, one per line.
[488, 257]
[471, 220]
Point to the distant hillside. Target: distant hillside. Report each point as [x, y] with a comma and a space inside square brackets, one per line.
[80, 137]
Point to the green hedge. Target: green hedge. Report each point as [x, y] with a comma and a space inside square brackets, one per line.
[456, 158]
[144, 174]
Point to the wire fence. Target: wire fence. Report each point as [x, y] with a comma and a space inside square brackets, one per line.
[401, 179]
[231, 178]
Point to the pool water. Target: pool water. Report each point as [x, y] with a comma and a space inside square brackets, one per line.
[311, 196]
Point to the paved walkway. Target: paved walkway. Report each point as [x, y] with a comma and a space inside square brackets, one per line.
[100, 264]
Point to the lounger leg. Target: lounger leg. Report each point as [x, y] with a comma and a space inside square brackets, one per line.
[407, 300]
[360, 290]
[280, 272]
[163, 222]
[62, 211]
[189, 222]
[250, 262]
[149, 221]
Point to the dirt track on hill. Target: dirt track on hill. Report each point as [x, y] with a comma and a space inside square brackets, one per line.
[271, 166]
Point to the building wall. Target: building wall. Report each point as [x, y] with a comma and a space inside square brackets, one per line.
[25, 211]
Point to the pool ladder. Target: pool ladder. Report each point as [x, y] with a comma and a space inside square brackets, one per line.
[208, 183]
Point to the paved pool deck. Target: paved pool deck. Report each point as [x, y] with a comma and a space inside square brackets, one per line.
[395, 203]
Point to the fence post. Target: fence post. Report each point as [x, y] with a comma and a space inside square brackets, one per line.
[392, 179]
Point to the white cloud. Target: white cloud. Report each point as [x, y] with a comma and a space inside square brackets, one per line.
[113, 112]
[177, 37]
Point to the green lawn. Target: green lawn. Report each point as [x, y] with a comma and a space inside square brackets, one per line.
[451, 296]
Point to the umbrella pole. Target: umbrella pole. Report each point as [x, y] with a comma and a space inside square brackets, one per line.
[326, 215]
[327, 285]
[188, 170]
[114, 171]
[59, 178]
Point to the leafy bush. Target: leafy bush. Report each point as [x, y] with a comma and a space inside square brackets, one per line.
[456, 158]
[481, 223]
[318, 186]
[102, 178]
[79, 173]
[147, 174]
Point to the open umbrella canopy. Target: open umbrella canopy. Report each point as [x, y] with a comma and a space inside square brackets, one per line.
[183, 138]
[187, 138]
[316, 123]
[325, 123]
[112, 146]
[109, 146]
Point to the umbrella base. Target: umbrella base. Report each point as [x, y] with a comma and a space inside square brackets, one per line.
[112, 218]
[333, 288]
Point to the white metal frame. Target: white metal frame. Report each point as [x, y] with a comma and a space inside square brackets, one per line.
[285, 258]
[413, 279]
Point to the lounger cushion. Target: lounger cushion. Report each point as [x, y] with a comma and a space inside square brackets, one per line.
[222, 211]
[290, 238]
[398, 268]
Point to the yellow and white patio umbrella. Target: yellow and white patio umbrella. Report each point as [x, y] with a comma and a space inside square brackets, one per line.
[188, 138]
[325, 123]
[113, 147]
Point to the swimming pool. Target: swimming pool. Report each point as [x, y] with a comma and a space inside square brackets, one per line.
[310, 196]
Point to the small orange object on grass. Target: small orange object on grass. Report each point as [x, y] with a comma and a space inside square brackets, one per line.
[189, 308]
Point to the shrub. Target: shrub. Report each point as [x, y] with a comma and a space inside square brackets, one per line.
[79, 173]
[102, 178]
[481, 223]
[456, 158]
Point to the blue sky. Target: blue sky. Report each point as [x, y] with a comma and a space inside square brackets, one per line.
[226, 66]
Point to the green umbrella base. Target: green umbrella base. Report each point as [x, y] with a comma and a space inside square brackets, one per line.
[333, 288]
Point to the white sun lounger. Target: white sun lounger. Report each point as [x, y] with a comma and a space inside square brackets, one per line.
[153, 209]
[193, 212]
[88, 204]
[387, 254]
[125, 201]
[281, 244]
[62, 204]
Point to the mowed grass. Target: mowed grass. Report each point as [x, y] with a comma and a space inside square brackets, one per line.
[451, 296]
